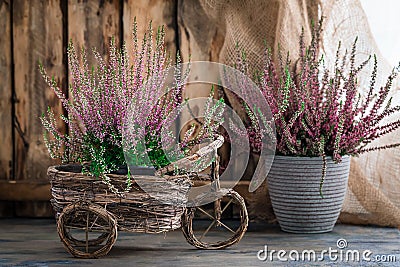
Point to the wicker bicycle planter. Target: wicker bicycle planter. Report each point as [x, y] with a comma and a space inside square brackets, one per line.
[294, 188]
[136, 211]
[69, 185]
[89, 215]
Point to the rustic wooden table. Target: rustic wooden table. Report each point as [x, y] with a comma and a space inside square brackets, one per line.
[34, 242]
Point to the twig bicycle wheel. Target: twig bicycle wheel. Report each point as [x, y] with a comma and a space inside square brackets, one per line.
[87, 230]
[216, 231]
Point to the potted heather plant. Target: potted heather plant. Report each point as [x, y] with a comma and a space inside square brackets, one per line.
[321, 120]
[102, 99]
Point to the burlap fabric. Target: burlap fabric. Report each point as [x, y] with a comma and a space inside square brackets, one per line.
[373, 196]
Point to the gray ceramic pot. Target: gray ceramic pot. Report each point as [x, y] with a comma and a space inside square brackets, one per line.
[293, 184]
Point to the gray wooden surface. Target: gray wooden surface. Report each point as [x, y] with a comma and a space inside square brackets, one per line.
[34, 242]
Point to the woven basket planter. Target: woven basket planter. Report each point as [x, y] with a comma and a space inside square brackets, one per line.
[294, 187]
[136, 211]
[90, 211]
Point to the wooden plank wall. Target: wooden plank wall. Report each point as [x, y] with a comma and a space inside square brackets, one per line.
[5, 93]
[39, 30]
[6, 139]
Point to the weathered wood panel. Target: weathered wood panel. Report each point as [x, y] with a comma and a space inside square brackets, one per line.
[5, 91]
[200, 39]
[160, 12]
[195, 37]
[199, 35]
[25, 190]
[38, 37]
[6, 207]
[93, 24]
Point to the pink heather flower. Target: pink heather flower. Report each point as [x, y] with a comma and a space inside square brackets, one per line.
[318, 112]
[101, 120]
